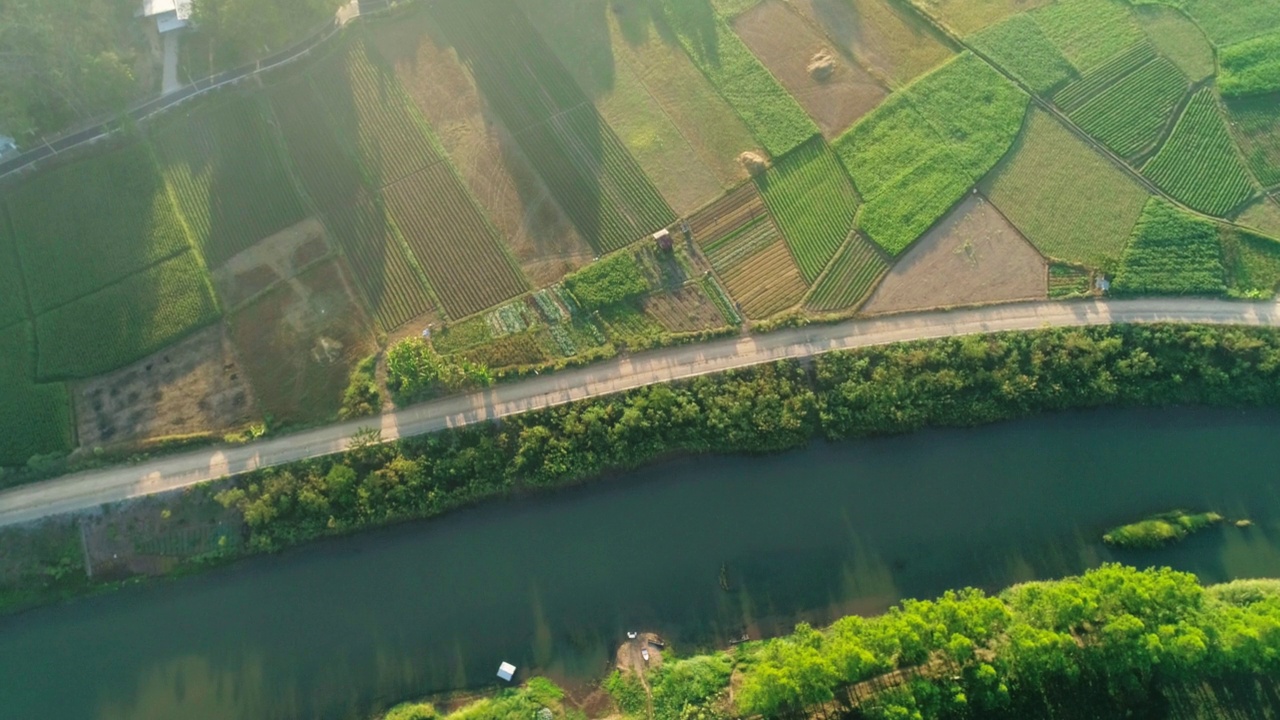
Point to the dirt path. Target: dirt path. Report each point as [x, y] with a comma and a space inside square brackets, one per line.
[87, 490]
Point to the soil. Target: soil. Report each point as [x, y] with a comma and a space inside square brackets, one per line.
[787, 45]
[686, 309]
[974, 256]
[192, 387]
[151, 535]
[279, 257]
[892, 43]
[540, 235]
[299, 342]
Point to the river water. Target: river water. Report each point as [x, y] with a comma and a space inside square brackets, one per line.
[551, 583]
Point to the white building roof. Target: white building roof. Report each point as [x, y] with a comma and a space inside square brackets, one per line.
[506, 671]
[182, 8]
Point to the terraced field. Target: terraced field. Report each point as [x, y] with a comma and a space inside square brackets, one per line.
[1130, 115]
[814, 204]
[1199, 164]
[850, 279]
[227, 175]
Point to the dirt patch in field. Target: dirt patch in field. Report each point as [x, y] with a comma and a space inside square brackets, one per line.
[835, 92]
[194, 386]
[884, 37]
[541, 236]
[766, 283]
[151, 535]
[299, 342]
[687, 309]
[276, 258]
[973, 256]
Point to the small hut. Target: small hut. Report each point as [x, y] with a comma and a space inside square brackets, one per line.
[506, 671]
[663, 238]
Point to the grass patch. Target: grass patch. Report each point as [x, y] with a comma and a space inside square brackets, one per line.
[35, 417]
[1252, 262]
[811, 198]
[1020, 46]
[228, 177]
[1251, 67]
[852, 277]
[82, 227]
[610, 281]
[1068, 200]
[1178, 38]
[13, 301]
[1231, 21]
[1089, 32]
[1198, 164]
[1159, 530]
[1255, 122]
[1130, 115]
[774, 117]
[918, 154]
[1068, 281]
[126, 321]
[1263, 215]
[967, 16]
[1171, 253]
[1091, 83]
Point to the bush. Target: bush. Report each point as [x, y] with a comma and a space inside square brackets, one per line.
[607, 282]
[1160, 529]
[415, 371]
[1251, 67]
[412, 711]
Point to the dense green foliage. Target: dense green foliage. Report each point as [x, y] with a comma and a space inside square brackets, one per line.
[1231, 21]
[1251, 67]
[1130, 115]
[1255, 122]
[1199, 164]
[682, 685]
[769, 112]
[415, 371]
[13, 301]
[1160, 529]
[1020, 46]
[918, 153]
[240, 30]
[1252, 262]
[523, 702]
[1089, 32]
[1171, 252]
[809, 195]
[609, 281]
[35, 419]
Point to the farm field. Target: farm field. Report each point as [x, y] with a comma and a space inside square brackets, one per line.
[682, 310]
[1178, 38]
[274, 259]
[13, 301]
[1251, 262]
[1020, 46]
[1067, 281]
[37, 416]
[1089, 32]
[227, 175]
[887, 38]
[851, 277]
[1171, 253]
[487, 157]
[1251, 67]
[1264, 215]
[1229, 21]
[965, 17]
[1198, 164]
[786, 45]
[764, 280]
[1089, 84]
[1129, 116]
[1255, 123]
[974, 256]
[813, 203]
[1070, 202]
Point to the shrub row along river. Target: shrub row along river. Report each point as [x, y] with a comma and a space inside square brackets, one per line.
[552, 583]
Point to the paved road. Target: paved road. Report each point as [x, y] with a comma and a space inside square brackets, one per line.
[87, 490]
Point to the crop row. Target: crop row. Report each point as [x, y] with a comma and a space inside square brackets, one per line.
[125, 321]
[227, 176]
[1078, 93]
[456, 247]
[851, 278]
[766, 283]
[1129, 115]
[13, 301]
[811, 198]
[748, 241]
[685, 309]
[82, 227]
[727, 215]
[35, 419]
[1199, 165]
[1089, 32]
[381, 266]
[1255, 122]
[1171, 252]
[329, 175]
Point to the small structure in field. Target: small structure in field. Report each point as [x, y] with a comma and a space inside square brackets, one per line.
[506, 671]
[754, 163]
[663, 239]
[821, 66]
[170, 15]
[8, 146]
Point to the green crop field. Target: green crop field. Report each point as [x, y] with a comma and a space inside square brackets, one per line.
[1252, 262]
[13, 301]
[917, 154]
[1066, 281]
[1089, 32]
[773, 116]
[965, 17]
[1232, 21]
[459, 251]
[852, 277]
[1255, 122]
[1079, 92]
[83, 227]
[35, 419]
[1251, 67]
[1199, 164]
[1067, 199]
[227, 175]
[126, 321]
[329, 175]
[813, 202]
[1130, 115]
[1020, 46]
[1176, 37]
[1171, 253]
[393, 287]
[1263, 215]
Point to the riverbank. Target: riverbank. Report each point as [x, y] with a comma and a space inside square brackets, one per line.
[768, 408]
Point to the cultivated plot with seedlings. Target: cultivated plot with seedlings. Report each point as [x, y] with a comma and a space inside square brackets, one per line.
[1020, 46]
[851, 277]
[1255, 123]
[964, 17]
[1262, 214]
[1171, 253]
[1176, 37]
[1199, 164]
[1251, 262]
[1130, 115]
[1089, 32]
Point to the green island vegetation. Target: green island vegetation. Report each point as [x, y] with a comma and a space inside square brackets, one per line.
[1161, 529]
[493, 188]
[1114, 641]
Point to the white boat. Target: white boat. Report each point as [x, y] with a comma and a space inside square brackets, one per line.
[645, 654]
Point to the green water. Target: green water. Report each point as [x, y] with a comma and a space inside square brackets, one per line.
[551, 583]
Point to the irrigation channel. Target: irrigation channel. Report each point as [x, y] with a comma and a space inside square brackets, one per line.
[552, 583]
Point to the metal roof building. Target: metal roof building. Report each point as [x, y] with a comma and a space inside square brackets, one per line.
[169, 14]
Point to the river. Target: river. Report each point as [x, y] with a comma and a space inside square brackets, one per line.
[551, 583]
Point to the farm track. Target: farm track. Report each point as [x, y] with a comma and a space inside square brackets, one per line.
[87, 491]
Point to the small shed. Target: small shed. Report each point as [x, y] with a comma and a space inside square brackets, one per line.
[7, 146]
[663, 238]
[169, 15]
[506, 671]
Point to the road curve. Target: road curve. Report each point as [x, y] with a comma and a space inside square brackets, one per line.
[87, 490]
